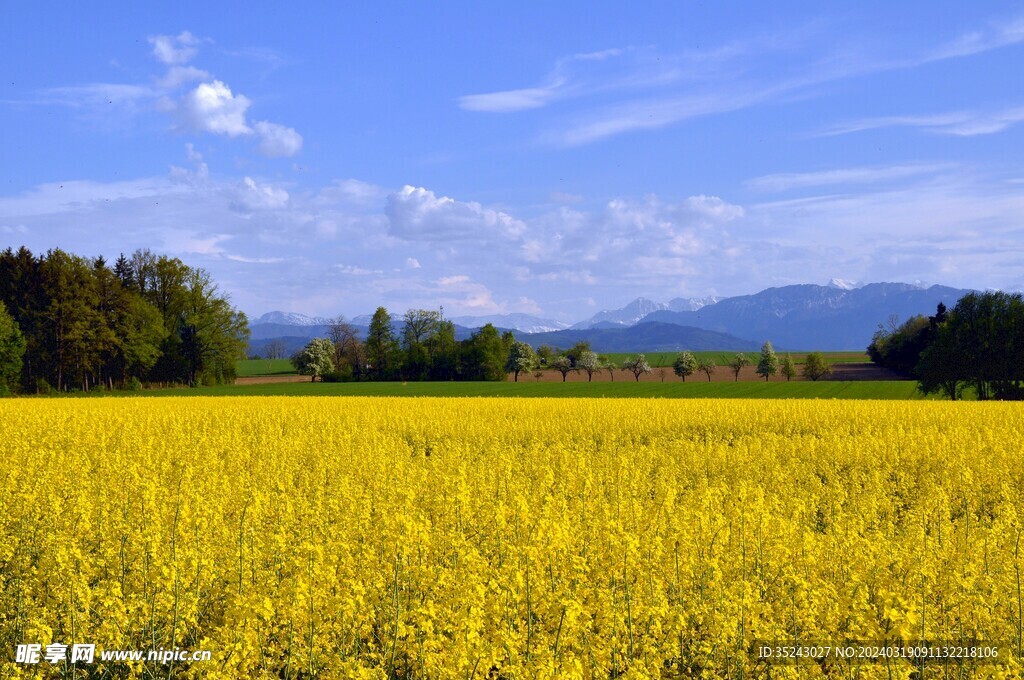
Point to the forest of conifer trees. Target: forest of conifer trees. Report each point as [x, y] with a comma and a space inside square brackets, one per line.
[86, 325]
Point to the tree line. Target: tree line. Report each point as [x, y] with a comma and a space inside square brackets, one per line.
[978, 344]
[424, 348]
[73, 323]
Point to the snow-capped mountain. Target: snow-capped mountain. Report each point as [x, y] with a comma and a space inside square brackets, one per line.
[292, 319]
[641, 307]
[843, 284]
[520, 322]
[840, 315]
[626, 316]
[691, 304]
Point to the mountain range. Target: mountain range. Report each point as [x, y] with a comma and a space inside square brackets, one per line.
[841, 315]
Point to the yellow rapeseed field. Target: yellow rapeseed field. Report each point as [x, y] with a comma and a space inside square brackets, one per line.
[506, 538]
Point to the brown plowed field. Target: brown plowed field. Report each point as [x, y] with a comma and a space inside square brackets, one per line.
[865, 371]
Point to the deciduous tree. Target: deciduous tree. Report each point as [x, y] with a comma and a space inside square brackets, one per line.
[520, 358]
[706, 366]
[637, 365]
[816, 367]
[12, 348]
[685, 364]
[315, 358]
[588, 362]
[787, 368]
[737, 363]
[768, 363]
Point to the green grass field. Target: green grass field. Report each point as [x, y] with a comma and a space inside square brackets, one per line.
[669, 390]
[250, 368]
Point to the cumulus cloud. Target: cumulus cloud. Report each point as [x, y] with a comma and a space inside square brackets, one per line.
[211, 107]
[277, 140]
[177, 76]
[251, 196]
[208, 107]
[418, 214]
[299, 246]
[713, 207]
[171, 49]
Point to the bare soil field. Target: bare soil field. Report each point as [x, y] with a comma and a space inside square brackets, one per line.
[840, 371]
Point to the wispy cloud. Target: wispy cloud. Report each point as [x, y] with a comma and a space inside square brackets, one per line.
[993, 36]
[843, 176]
[580, 75]
[678, 87]
[958, 123]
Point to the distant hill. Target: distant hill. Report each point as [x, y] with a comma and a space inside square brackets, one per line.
[269, 331]
[644, 337]
[841, 315]
[810, 317]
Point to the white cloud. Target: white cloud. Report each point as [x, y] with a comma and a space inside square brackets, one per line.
[957, 123]
[713, 207]
[356, 271]
[250, 196]
[270, 248]
[644, 89]
[211, 107]
[990, 37]
[199, 175]
[839, 176]
[418, 214]
[177, 49]
[510, 100]
[564, 198]
[254, 260]
[353, 192]
[177, 76]
[573, 76]
[277, 140]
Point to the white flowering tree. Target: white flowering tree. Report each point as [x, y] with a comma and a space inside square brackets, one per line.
[315, 359]
[637, 365]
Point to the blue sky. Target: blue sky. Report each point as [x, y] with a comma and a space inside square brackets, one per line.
[539, 159]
